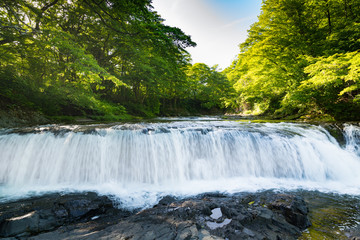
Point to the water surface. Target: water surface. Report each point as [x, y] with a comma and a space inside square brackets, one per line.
[138, 163]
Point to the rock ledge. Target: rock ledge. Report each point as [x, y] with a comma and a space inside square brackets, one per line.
[265, 215]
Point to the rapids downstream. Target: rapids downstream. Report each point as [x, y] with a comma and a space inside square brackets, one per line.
[138, 163]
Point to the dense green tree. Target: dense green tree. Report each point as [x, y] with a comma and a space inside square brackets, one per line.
[89, 57]
[277, 62]
[207, 86]
[333, 86]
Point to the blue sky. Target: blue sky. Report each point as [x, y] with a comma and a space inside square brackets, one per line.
[217, 26]
[236, 8]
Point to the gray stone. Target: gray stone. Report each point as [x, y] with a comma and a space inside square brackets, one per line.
[18, 225]
[89, 216]
[293, 208]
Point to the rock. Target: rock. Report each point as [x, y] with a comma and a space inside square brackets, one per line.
[15, 116]
[167, 200]
[38, 214]
[354, 233]
[79, 216]
[20, 225]
[336, 130]
[293, 208]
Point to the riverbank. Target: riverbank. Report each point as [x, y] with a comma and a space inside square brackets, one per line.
[13, 116]
[18, 117]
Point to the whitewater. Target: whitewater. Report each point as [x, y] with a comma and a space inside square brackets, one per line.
[138, 163]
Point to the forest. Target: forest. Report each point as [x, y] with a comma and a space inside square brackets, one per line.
[106, 60]
[116, 59]
[301, 60]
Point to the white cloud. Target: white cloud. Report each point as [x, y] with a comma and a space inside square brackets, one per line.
[217, 37]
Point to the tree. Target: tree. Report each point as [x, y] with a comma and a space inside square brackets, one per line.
[89, 57]
[333, 86]
[207, 87]
[272, 68]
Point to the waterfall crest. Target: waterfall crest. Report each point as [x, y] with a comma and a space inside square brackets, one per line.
[177, 154]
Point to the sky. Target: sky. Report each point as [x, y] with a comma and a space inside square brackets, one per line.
[217, 26]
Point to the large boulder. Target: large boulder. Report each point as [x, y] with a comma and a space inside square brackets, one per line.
[39, 214]
[293, 208]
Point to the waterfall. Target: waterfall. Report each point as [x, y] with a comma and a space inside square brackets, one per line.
[352, 136]
[177, 157]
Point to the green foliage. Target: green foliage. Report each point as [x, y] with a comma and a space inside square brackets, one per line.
[207, 86]
[300, 58]
[100, 59]
[333, 85]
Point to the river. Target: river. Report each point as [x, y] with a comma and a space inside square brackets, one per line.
[138, 163]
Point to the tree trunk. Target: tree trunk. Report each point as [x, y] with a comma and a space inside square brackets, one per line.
[328, 17]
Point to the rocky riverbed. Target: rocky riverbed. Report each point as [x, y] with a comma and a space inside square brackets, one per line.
[264, 215]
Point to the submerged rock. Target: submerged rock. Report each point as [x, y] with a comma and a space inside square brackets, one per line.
[336, 130]
[75, 216]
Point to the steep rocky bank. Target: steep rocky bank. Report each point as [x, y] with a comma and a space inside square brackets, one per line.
[18, 117]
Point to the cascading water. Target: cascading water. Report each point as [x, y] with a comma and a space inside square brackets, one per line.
[140, 162]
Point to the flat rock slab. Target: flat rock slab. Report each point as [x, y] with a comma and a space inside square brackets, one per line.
[264, 215]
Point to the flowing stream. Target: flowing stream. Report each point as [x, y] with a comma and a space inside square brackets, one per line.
[138, 163]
